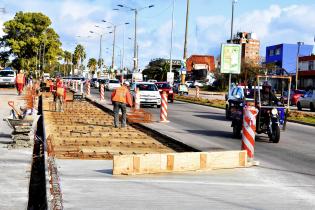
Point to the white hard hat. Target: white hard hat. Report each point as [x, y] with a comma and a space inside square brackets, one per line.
[126, 83]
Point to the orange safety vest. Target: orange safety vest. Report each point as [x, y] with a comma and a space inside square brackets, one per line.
[120, 95]
[20, 78]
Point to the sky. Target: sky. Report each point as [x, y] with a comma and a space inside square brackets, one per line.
[273, 21]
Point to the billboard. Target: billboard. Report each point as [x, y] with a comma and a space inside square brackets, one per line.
[231, 59]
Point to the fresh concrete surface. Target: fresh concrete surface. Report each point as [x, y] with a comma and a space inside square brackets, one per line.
[15, 164]
[88, 184]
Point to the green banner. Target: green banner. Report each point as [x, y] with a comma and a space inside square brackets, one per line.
[231, 59]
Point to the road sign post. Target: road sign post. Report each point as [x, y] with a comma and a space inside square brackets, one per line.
[231, 60]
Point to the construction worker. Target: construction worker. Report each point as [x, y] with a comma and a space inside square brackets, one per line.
[20, 82]
[59, 95]
[120, 98]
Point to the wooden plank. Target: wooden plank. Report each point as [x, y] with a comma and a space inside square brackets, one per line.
[178, 162]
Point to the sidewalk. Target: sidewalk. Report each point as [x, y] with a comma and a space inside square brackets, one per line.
[15, 164]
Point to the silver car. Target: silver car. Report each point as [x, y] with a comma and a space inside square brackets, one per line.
[307, 101]
[7, 77]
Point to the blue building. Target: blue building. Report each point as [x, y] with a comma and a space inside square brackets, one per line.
[284, 55]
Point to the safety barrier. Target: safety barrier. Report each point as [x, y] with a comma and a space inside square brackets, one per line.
[197, 91]
[88, 88]
[102, 97]
[163, 113]
[81, 87]
[76, 86]
[249, 130]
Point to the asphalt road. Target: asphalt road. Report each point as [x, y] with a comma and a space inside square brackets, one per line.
[289, 165]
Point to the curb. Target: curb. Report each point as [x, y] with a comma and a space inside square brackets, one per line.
[302, 123]
[182, 100]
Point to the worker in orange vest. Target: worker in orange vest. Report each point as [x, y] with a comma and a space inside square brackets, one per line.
[120, 98]
[20, 82]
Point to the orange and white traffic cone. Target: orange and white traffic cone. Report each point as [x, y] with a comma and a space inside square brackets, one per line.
[163, 113]
[137, 99]
[249, 130]
[102, 98]
[76, 86]
[88, 88]
[197, 91]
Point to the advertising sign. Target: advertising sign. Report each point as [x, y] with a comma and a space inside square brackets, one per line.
[231, 58]
[170, 77]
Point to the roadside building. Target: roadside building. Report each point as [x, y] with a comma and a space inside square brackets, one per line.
[250, 47]
[307, 72]
[200, 67]
[283, 56]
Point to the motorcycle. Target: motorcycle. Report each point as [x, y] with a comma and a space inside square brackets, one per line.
[271, 120]
[237, 117]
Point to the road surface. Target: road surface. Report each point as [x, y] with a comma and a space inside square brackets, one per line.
[286, 176]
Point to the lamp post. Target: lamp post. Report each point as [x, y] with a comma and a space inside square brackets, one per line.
[114, 38]
[171, 62]
[232, 20]
[135, 54]
[186, 31]
[297, 65]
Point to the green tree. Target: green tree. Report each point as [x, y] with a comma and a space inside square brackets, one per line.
[92, 63]
[25, 35]
[79, 55]
[100, 62]
[67, 57]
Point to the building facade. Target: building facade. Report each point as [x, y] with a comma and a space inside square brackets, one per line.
[250, 47]
[284, 56]
[307, 72]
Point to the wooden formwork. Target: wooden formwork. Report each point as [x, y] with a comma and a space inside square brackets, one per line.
[178, 162]
[83, 131]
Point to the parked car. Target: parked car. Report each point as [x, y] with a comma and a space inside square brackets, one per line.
[149, 93]
[198, 83]
[307, 101]
[180, 89]
[112, 84]
[93, 81]
[152, 80]
[7, 77]
[165, 86]
[189, 83]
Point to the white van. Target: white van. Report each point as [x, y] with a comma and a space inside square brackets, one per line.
[7, 77]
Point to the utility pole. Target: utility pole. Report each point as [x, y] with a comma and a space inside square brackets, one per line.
[135, 55]
[297, 65]
[100, 55]
[171, 62]
[232, 20]
[186, 31]
[113, 57]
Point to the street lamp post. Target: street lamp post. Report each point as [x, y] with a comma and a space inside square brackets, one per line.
[297, 64]
[171, 62]
[186, 31]
[114, 38]
[135, 54]
[232, 20]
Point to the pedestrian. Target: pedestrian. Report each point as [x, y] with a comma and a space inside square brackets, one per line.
[51, 85]
[120, 98]
[20, 82]
[59, 95]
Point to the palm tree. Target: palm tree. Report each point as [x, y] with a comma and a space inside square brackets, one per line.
[67, 56]
[79, 55]
[92, 65]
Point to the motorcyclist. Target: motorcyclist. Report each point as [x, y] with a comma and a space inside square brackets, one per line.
[267, 96]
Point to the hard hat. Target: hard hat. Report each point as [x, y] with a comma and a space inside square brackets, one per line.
[126, 83]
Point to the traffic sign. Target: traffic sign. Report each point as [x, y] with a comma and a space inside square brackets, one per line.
[231, 58]
[170, 77]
